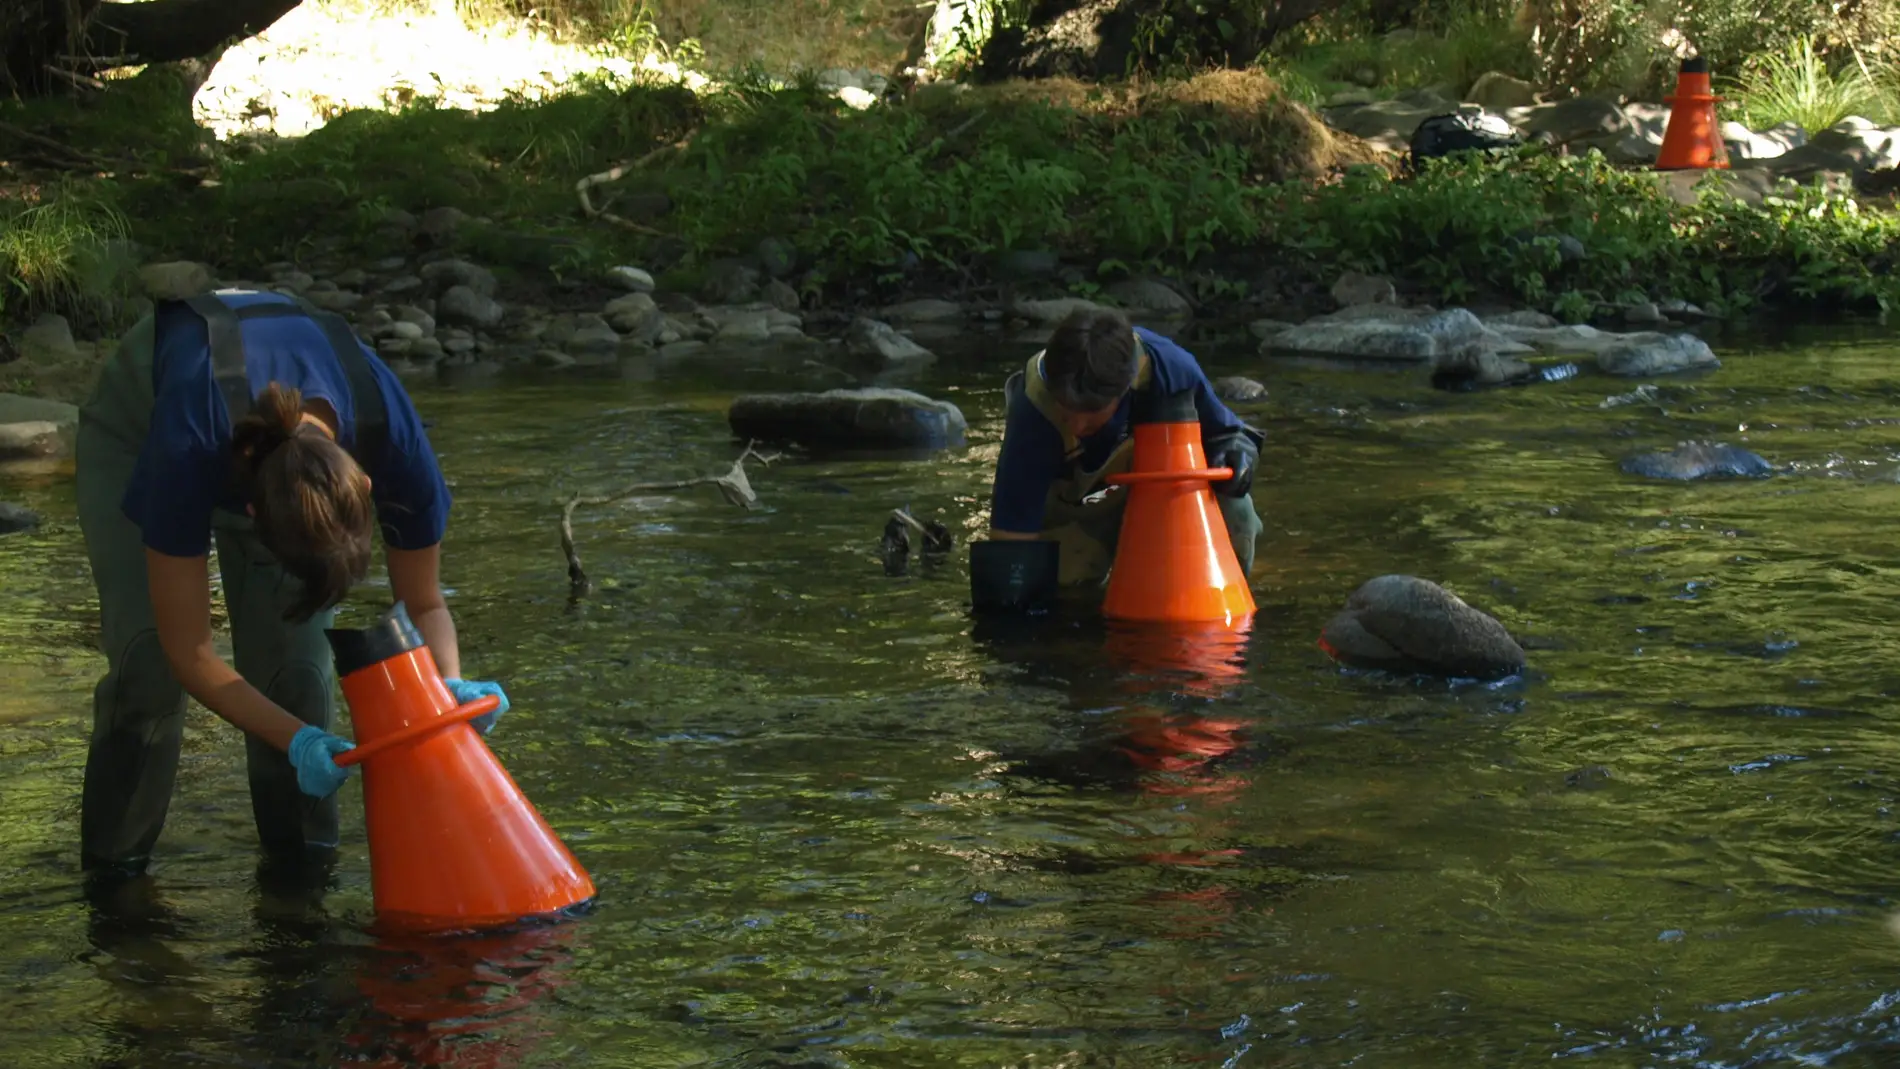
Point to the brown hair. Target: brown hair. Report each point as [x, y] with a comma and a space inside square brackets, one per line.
[310, 499]
[1090, 360]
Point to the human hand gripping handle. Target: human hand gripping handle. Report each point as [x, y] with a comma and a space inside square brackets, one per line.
[466, 691]
[313, 753]
[1240, 452]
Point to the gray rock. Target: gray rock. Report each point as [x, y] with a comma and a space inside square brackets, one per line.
[1526, 318]
[443, 275]
[175, 279]
[1353, 288]
[631, 279]
[334, 300]
[1644, 314]
[872, 340]
[1150, 296]
[49, 338]
[1384, 332]
[1263, 329]
[1474, 366]
[409, 313]
[925, 310]
[744, 325]
[780, 295]
[730, 282]
[16, 518]
[401, 284]
[1664, 354]
[634, 314]
[1239, 389]
[33, 427]
[1579, 119]
[350, 278]
[1496, 91]
[1052, 311]
[871, 418]
[292, 280]
[1402, 623]
[460, 305]
[1699, 460]
[592, 340]
[440, 224]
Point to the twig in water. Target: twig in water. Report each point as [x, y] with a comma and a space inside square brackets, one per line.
[79, 80]
[732, 484]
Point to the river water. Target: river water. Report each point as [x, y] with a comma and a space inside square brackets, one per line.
[834, 824]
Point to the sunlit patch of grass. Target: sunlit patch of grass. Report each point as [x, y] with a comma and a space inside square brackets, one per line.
[1797, 85]
[60, 252]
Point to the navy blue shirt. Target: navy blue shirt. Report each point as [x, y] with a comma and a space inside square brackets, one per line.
[183, 469]
[1032, 459]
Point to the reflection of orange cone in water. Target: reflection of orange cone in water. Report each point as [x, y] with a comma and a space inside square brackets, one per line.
[1205, 658]
[1174, 562]
[1693, 139]
[465, 1003]
[453, 843]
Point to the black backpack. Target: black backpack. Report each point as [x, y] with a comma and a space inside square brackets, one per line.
[1470, 128]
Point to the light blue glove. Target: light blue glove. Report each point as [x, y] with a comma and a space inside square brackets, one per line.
[466, 691]
[313, 752]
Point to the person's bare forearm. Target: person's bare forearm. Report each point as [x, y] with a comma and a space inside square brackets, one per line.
[218, 687]
[438, 630]
[1014, 536]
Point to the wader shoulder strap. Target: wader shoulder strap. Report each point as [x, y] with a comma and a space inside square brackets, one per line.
[227, 364]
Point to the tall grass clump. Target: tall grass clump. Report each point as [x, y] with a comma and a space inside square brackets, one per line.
[63, 253]
[1796, 84]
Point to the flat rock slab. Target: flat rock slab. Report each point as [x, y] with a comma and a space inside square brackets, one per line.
[867, 418]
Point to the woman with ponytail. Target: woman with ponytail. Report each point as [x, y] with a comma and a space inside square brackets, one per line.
[255, 421]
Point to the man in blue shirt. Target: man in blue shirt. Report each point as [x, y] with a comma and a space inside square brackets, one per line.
[1070, 422]
[257, 420]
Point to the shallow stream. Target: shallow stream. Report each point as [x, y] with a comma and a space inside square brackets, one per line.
[834, 824]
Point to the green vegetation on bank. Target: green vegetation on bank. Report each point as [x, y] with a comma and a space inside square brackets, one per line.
[1213, 180]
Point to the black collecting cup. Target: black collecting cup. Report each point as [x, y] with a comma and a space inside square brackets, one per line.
[1012, 576]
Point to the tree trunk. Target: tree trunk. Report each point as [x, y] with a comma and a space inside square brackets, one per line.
[87, 36]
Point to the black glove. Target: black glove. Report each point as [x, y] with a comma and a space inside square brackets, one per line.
[1014, 576]
[1239, 450]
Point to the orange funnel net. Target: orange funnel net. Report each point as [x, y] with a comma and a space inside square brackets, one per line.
[1174, 562]
[1693, 138]
[453, 843]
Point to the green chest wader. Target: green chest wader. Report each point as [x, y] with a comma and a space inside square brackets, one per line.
[1088, 525]
[138, 706]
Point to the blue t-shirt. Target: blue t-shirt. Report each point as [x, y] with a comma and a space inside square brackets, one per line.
[184, 467]
[1032, 459]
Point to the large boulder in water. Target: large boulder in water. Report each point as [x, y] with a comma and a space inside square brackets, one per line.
[1699, 460]
[33, 427]
[1402, 623]
[17, 518]
[868, 418]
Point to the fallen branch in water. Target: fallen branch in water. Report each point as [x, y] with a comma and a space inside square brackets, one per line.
[733, 486]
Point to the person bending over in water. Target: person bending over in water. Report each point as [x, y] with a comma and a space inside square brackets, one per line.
[256, 419]
[1071, 414]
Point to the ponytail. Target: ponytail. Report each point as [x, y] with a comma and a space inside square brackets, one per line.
[310, 499]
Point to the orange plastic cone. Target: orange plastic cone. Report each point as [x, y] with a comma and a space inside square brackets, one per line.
[1174, 562]
[1693, 139]
[453, 843]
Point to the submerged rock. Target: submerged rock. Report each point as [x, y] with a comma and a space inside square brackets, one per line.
[1402, 623]
[869, 418]
[1699, 460]
[872, 339]
[14, 518]
[1239, 389]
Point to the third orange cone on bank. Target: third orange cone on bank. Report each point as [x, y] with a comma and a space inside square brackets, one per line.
[1693, 140]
